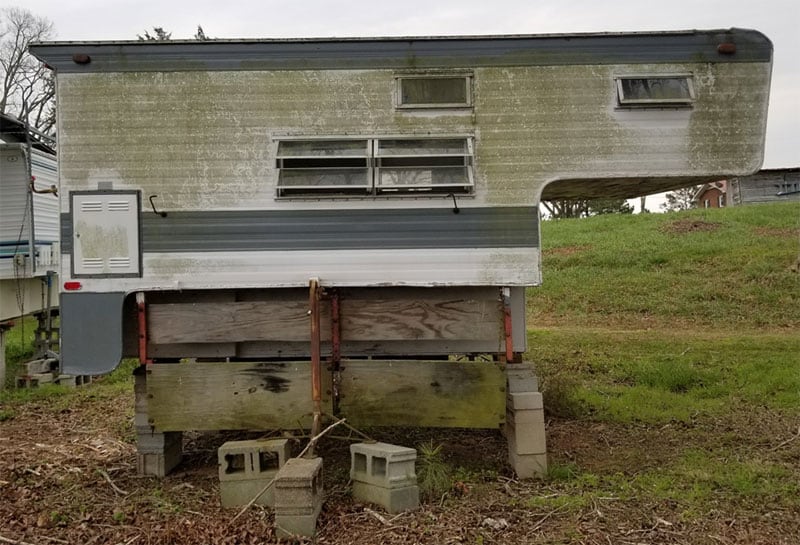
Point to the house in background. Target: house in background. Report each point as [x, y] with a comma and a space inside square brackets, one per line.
[768, 185]
[711, 195]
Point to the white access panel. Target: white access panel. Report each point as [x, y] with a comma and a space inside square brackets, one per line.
[105, 234]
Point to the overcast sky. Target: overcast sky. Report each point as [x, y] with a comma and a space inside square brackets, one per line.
[77, 20]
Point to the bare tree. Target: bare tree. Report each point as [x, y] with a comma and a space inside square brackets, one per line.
[28, 88]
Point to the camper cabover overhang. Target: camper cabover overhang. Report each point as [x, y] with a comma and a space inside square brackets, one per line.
[206, 184]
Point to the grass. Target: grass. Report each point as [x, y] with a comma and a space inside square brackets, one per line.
[684, 322]
[640, 376]
[662, 270]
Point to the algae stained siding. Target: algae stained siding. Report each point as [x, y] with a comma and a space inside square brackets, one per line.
[207, 140]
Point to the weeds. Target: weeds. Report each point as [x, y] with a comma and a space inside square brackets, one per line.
[433, 474]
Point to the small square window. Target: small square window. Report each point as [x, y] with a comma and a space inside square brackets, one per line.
[636, 91]
[444, 91]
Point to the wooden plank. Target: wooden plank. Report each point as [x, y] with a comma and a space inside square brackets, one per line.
[437, 317]
[420, 319]
[231, 322]
[193, 350]
[231, 396]
[381, 349]
[422, 393]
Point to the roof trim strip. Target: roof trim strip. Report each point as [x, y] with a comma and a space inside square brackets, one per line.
[405, 53]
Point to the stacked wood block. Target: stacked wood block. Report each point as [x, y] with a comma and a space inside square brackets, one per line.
[246, 467]
[385, 475]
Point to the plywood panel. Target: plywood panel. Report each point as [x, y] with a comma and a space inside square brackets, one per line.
[231, 396]
[440, 317]
[417, 319]
[232, 322]
[422, 393]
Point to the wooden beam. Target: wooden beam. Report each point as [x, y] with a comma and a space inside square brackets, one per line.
[231, 396]
[446, 394]
[231, 322]
[438, 317]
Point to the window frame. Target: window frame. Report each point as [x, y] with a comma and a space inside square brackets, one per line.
[398, 91]
[374, 188]
[288, 191]
[631, 103]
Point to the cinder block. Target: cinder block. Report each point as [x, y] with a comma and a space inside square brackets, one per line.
[241, 492]
[255, 459]
[159, 464]
[528, 466]
[40, 366]
[393, 500]
[66, 380]
[525, 417]
[298, 497]
[383, 465]
[520, 377]
[527, 440]
[524, 401]
[43, 378]
[153, 442]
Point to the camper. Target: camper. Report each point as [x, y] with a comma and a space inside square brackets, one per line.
[29, 226]
[281, 230]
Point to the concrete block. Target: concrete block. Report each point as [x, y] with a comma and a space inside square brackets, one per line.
[287, 526]
[383, 465]
[153, 442]
[527, 441]
[141, 420]
[393, 500]
[40, 366]
[520, 377]
[524, 401]
[239, 493]
[249, 460]
[298, 497]
[43, 378]
[66, 380]
[528, 466]
[158, 464]
[525, 418]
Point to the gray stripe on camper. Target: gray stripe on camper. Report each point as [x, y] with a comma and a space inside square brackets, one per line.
[407, 53]
[497, 227]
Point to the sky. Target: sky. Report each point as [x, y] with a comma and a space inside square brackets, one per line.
[79, 20]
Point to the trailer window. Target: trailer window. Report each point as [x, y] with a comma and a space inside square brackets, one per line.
[312, 167]
[434, 91]
[376, 166]
[428, 165]
[655, 91]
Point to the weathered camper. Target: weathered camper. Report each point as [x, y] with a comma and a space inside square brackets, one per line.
[29, 219]
[29, 225]
[234, 213]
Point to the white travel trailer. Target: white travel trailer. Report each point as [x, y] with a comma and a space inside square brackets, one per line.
[205, 186]
[29, 226]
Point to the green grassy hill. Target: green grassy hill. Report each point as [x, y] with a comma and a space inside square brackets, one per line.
[659, 318]
[721, 269]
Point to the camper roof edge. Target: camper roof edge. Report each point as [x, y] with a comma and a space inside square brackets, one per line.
[739, 45]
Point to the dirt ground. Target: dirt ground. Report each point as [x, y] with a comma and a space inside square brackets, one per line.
[68, 475]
